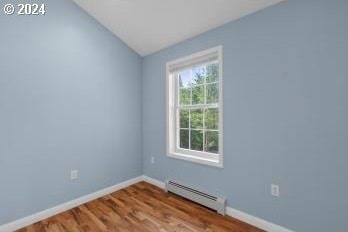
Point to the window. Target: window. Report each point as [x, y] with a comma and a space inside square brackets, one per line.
[194, 107]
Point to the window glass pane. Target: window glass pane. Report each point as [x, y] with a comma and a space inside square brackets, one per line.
[197, 119]
[184, 138]
[212, 73]
[184, 118]
[185, 96]
[198, 75]
[211, 119]
[197, 140]
[185, 78]
[212, 93]
[198, 95]
[211, 143]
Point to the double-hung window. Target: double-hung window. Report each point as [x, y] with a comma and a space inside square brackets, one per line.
[194, 107]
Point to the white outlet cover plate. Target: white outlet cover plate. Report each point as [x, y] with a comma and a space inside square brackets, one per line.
[73, 174]
[275, 190]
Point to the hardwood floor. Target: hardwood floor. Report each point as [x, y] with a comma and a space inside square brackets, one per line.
[141, 207]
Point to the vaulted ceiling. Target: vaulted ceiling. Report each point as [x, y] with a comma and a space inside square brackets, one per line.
[148, 26]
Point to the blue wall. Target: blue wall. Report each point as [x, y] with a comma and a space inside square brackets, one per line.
[69, 99]
[285, 115]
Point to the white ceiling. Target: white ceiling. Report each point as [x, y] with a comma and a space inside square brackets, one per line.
[151, 25]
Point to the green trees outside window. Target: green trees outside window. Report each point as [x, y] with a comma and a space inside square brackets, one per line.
[198, 99]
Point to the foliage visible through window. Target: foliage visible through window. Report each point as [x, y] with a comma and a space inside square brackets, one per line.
[198, 108]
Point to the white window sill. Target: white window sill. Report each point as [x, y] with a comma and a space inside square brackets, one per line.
[216, 162]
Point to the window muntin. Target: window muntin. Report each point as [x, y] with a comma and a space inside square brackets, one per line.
[195, 107]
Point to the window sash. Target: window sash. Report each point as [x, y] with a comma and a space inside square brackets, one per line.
[178, 107]
[203, 129]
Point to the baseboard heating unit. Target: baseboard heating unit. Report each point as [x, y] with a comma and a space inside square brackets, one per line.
[208, 200]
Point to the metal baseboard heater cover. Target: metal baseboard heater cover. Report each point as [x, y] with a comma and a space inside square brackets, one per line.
[208, 200]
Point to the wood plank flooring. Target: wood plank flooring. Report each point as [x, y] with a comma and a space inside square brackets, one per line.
[140, 208]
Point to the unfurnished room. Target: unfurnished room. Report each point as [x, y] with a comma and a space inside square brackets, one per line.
[173, 115]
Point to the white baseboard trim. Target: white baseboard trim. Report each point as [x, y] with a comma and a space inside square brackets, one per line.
[247, 218]
[255, 221]
[26, 221]
[155, 182]
[23, 222]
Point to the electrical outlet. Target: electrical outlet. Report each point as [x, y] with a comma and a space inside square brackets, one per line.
[275, 191]
[152, 159]
[74, 174]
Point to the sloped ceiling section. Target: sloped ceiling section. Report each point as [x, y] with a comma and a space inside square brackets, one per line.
[148, 26]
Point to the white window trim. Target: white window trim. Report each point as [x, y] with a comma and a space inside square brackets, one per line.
[190, 155]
